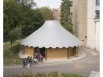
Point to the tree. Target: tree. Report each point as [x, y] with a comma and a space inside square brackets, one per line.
[10, 17]
[14, 34]
[32, 22]
[46, 13]
[16, 14]
[35, 19]
[19, 14]
[28, 3]
[66, 20]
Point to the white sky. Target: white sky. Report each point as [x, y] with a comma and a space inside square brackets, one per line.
[48, 3]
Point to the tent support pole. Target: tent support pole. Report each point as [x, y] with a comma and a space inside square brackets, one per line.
[69, 53]
[45, 53]
[76, 51]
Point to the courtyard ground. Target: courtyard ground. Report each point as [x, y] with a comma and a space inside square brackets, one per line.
[82, 66]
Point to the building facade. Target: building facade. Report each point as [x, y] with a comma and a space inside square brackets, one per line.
[93, 24]
[79, 19]
[85, 17]
[56, 13]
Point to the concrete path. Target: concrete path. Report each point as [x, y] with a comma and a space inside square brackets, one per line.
[83, 66]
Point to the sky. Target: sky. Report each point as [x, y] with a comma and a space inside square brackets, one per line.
[49, 3]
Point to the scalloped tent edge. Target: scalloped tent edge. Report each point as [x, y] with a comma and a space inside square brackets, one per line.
[57, 41]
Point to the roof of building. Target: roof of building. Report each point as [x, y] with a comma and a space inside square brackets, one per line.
[51, 34]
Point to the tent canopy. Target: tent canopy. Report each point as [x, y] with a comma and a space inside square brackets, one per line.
[51, 34]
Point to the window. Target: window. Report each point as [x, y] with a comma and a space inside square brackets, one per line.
[97, 14]
[97, 2]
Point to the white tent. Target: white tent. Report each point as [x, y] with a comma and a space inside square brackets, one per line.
[51, 34]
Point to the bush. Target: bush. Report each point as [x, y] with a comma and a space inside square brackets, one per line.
[71, 75]
[53, 74]
[11, 54]
[41, 75]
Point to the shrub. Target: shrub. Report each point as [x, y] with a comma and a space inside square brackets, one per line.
[41, 75]
[11, 54]
[53, 74]
[71, 75]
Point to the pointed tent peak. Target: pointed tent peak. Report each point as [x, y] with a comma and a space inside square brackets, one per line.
[51, 22]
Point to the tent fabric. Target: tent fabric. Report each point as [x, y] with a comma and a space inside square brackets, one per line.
[51, 34]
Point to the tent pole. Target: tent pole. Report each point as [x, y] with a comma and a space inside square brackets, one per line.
[45, 53]
[69, 53]
[76, 51]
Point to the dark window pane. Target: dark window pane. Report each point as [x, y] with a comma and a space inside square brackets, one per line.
[97, 13]
[97, 2]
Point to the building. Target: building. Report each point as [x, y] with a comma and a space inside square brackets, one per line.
[93, 24]
[56, 14]
[85, 17]
[79, 18]
[55, 41]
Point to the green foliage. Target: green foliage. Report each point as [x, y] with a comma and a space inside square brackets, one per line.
[33, 21]
[71, 75]
[66, 20]
[19, 14]
[28, 3]
[40, 75]
[53, 74]
[15, 15]
[15, 34]
[46, 13]
[11, 54]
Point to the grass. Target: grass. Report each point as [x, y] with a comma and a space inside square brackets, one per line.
[11, 54]
[71, 75]
[51, 74]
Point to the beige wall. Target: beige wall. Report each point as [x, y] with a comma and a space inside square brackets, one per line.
[57, 53]
[60, 53]
[29, 51]
[79, 11]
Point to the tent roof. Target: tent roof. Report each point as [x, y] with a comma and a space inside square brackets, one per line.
[51, 34]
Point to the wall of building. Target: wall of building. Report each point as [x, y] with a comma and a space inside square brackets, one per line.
[79, 18]
[93, 26]
[61, 53]
[91, 34]
[98, 36]
[56, 14]
[85, 24]
[29, 51]
[56, 53]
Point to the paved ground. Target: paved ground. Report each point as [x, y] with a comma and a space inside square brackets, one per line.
[83, 66]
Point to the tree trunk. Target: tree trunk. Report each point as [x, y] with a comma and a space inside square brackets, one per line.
[11, 43]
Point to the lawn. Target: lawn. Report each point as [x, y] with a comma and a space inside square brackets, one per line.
[11, 54]
[51, 74]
